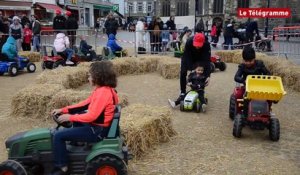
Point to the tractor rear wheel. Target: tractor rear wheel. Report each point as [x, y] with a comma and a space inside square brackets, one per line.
[11, 167]
[237, 126]
[212, 67]
[198, 107]
[106, 165]
[222, 66]
[181, 106]
[232, 107]
[31, 67]
[274, 130]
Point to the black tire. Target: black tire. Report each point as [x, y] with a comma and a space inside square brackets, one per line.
[237, 126]
[58, 63]
[274, 130]
[1, 73]
[222, 66]
[198, 107]
[12, 167]
[181, 106]
[31, 67]
[232, 109]
[13, 70]
[107, 162]
[262, 46]
[212, 67]
[43, 65]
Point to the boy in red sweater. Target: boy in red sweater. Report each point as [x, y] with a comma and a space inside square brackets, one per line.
[26, 45]
[100, 106]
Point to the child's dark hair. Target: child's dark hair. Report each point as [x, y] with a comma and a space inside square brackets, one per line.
[248, 53]
[103, 74]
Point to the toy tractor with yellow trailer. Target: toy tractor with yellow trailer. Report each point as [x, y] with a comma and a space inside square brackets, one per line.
[252, 106]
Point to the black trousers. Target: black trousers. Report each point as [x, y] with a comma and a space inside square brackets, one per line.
[26, 46]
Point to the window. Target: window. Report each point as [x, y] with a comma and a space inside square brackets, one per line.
[199, 7]
[140, 7]
[243, 3]
[218, 6]
[130, 7]
[165, 8]
[182, 8]
[149, 7]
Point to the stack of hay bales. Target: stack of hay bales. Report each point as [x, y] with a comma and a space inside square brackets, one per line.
[144, 126]
[288, 71]
[169, 68]
[33, 100]
[32, 56]
[69, 77]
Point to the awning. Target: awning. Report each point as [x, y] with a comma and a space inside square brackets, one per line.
[50, 7]
[103, 7]
[15, 5]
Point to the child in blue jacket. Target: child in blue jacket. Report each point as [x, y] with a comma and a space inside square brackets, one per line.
[115, 48]
[10, 49]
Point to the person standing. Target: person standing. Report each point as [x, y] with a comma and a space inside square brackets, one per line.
[59, 21]
[155, 28]
[72, 26]
[16, 31]
[213, 35]
[24, 20]
[140, 33]
[36, 29]
[251, 27]
[26, 45]
[197, 52]
[171, 26]
[111, 25]
[228, 34]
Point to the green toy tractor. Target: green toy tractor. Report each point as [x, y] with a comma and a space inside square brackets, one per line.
[191, 102]
[31, 153]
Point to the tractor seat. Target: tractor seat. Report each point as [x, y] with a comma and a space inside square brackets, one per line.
[109, 133]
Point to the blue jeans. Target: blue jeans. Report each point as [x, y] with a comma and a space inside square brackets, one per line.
[79, 133]
[36, 43]
[228, 43]
[70, 53]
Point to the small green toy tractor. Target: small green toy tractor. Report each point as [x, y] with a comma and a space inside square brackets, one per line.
[191, 102]
[31, 153]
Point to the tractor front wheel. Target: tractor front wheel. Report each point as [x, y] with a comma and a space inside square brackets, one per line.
[11, 167]
[181, 105]
[222, 66]
[106, 165]
[212, 67]
[237, 126]
[13, 70]
[274, 130]
[31, 67]
[198, 107]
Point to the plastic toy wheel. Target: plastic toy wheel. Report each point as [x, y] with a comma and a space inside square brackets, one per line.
[181, 106]
[212, 67]
[13, 70]
[106, 165]
[232, 110]
[11, 167]
[43, 65]
[198, 107]
[222, 66]
[31, 67]
[237, 126]
[274, 130]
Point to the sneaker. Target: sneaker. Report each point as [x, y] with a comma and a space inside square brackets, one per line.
[172, 103]
[203, 107]
[58, 171]
[69, 62]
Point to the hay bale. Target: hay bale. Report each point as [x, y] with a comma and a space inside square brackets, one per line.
[69, 77]
[169, 67]
[32, 56]
[123, 99]
[144, 126]
[33, 100]
[230, 56]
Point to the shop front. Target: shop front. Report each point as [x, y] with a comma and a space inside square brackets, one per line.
[12, 8]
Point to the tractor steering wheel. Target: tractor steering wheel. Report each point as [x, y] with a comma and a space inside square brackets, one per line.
[67, 124]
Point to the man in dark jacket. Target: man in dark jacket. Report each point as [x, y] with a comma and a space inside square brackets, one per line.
[197, 52]
[251, 27]
[59, 21]
[111, 25]
[36, 29]
[72, 25]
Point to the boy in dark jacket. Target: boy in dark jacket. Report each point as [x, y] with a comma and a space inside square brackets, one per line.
[250, 66]
[87, 49]
[59, 21]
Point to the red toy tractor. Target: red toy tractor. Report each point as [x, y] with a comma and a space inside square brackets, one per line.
[217, 62]
[252, 105]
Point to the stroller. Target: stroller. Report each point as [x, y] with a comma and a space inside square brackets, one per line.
[262, 44]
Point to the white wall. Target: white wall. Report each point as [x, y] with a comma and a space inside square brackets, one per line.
[182, 21]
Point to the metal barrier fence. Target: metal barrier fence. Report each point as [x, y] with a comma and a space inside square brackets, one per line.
[287, 41]
[157, 41]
